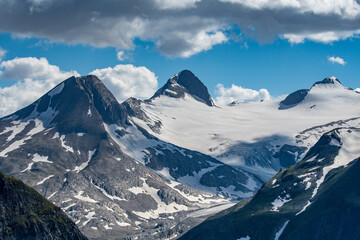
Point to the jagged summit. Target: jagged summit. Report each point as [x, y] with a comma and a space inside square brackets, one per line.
[185, 82]
[73, 100]
[329, 81]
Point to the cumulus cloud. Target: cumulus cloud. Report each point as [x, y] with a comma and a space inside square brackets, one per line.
[2, 53]
[239, 94]
[323, 37]
[199, 42]
[33, 77]
[180, 28]
[126, 81]
[337, 60]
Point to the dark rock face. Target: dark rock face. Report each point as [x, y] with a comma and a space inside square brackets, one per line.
[210, 172]
[289, 155]
[25, 214]
[293, 206]
[185, 82]
[293, 99]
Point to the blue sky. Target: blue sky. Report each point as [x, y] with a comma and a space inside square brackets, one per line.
[280, 67]
[285, 47]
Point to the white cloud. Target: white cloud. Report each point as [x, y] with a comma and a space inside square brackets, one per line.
[347, 9]
[126, 81]
[337, 60]
[120, 55]
[180, 28]
[240, 94]
[176, 4]
[34, 77]
[202, 41]
[357, 90]
[2, 53]
[323, 37]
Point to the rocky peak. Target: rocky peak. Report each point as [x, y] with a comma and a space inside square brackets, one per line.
[329, 81]
[298, 96]
[74, 100]
[185, 82]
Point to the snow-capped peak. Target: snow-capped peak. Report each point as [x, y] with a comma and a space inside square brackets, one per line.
[329, 82]
[185, 82]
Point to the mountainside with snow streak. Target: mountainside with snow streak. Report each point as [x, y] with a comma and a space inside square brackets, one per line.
[79, 148]
[318, 198]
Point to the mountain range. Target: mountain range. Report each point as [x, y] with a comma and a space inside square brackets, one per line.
[155, 168]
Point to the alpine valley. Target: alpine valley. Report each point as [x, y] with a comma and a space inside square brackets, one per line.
[157, 168]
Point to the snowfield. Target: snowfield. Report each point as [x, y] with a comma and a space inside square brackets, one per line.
[191, 124]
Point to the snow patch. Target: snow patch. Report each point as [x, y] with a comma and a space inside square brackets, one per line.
[123, 224]
[279, 202]
[42, 181]
[17, 144]
[244, 238]
[113, 198]
[89, 114]
[67, 200]
[17, 128]
[278, 234]
[56, 90]
[69, 206]
[161, 206]
[304, 208]
[77, 169]
[51, 195]
[107, 227]
[84, 199]
[36, 158]
[67, 148]
[88, 217]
